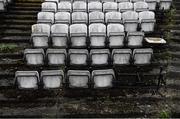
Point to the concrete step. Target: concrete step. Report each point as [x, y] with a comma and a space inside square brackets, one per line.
[17, 32]
[15, 39]
[25, 12]
[25, 8]
[23, 17]
[19, 21]
[18, 27]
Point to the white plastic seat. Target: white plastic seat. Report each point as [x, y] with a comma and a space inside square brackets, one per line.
[40, 35]
[3, 4]
[78, 35]
[55, 1]
[52, 79]
[121, 56]
[78, 57]
[63, 17]
[70, 1]
[95, 6]
[116, 34]
[64, 6]
[78, 78]
[49, 7]
[80, 17]
[99, 57]
[125, 6]
[140, 6]
[56, 57]
[118, 1]
[135, 39]
[103, 1]
[147, 21]
[130, 20]
[93, 1]
[113, 17]
[103, 78]
[34, 57]
[137, 1]
[97, 35]
[152, 4]
[142, 56]
[165, 4]
[110, 6]
[96, 17]
[27, 79]
[79, 6]
[45, 17]
[59, 35]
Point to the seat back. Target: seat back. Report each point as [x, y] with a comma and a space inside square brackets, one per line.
[113, 17]
[95, 6]
[49, 7]
[140, 6]
[80, 17]
[64, 6]
[110, 6]
[63, 17]
[125, 6]
[79, 6]
[96, 17]
[45, 17]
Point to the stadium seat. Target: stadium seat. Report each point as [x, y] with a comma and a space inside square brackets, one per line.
[137, 1]
[97, 35]
[103, 78]
[152, 4]
[165, 4]
[78, 35]
[78, 78]
[52, 79]
[78, 57]
[59, 35]
[121, 57]
[40, 35]
[79, 18]
[34, 57]
[147, 21]
[55, 1]
[113, 17]
[93, 1]
[64, 6]
[107, 1]
[56, 57]
[118, 1]
[140, 6]
[135, 39]
[3, 4]
[79, 6]
[125, 6]
[130, 20]
[95, 6]
[45, 17]
[63, 17]
[110, 6]
[99, 57]
[115, 33]
[142, 56]
[96, 17]
[49, 7]
[27, 79]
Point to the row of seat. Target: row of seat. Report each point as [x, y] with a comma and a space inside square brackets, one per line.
[53, 79]
[94, 57]
[81, 6]
[3, 4]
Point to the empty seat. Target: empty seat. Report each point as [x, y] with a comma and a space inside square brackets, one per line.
[165, 4]
[63, 17]
[97, 34]
[110, 6]
[95, 6]
[45, 17]
[142, 56]
[56, 57]
[78, 34]
[152, 4]
[40, 35]
[78, 78]
[137, 0]
[115, 33]
[96, 17]
[130, 19]
[113, 17]
[108, 1]
[103, 78]
[49, 7]
[64, 6]
[55, 1]
[135, 39]
[59, 35]
[93, 1]
[34, 56]
[52, 79]
[3, 4]
[147, 21]
[140, 6]
[125, 6]
[79, 6]
[27, 79]
[118, 1]
[80, 17]
[99, 57]
[121, 57]
[78, 57]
